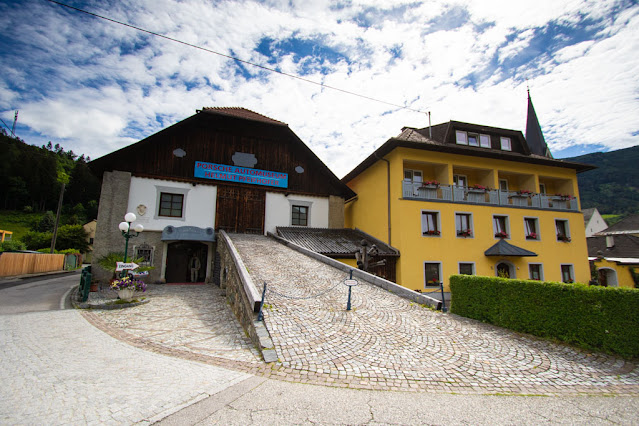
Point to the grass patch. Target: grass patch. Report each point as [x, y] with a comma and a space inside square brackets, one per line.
[18, 222]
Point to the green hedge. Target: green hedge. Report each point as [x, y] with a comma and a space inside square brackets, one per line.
[594, 317]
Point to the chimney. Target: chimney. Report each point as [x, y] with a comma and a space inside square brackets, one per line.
[610, 241]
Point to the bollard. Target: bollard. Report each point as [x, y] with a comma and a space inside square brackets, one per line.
[350, 282]
[441, 287]
[260, 315]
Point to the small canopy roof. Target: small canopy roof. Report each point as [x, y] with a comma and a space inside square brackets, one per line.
[503, 248]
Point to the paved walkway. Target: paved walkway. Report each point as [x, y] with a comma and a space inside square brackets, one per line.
[389, 343]
[55, 368]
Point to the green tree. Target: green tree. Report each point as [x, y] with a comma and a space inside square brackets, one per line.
[46, 223]
[72, 236]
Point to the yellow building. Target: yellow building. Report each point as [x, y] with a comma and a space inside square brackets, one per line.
[464, 198]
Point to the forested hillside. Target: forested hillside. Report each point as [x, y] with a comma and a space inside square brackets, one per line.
[613, 188]
[32, 179]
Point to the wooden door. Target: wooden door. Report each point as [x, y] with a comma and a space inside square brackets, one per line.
[240, 210]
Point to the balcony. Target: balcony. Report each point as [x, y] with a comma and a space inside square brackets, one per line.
[494, 197]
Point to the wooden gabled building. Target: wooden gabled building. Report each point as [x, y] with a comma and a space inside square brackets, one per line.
[222, 168]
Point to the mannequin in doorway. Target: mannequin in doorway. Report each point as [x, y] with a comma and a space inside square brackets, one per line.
[195, 265]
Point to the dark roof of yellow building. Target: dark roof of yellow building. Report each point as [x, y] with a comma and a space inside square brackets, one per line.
[333, 242]
[504, 248]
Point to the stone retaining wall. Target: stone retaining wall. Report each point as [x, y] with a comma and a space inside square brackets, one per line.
[243, 296]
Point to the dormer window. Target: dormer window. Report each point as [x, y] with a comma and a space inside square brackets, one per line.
[473, 139]
[462, 137]
[484, 141]
[505, 144]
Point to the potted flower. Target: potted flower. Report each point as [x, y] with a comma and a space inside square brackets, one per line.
[563, 197]
[431, 232]
[433, 282]
[477, 188]
[501, 234]
[465, 233]
[531, 236]
[127, 286]
[430, 184]
[563, 237]
[524, 192]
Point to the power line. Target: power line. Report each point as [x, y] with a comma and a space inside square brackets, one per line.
[237, 59]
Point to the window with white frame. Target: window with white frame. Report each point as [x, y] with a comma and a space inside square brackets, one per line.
[484, 141]
[473, 139]
[563, 230]
[535, 271]
[542, 188]
[505, 144]
[503, 185]
[464, 225]
[466, 268]
[414, 176]
[461, 137]
[460, 180]
[299, 215]
[430, 223]
[567, 274]
[500, 226]
[432, 274]
[531, 227]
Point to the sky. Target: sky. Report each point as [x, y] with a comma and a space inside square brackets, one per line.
[95, 86]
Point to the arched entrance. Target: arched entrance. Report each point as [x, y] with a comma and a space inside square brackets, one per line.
[607, 277]
[177, 261]
[505, 270]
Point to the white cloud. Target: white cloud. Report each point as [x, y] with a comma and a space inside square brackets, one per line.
[108, 85]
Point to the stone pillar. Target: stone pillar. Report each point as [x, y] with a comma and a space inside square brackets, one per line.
[335, 212]
[114, 200]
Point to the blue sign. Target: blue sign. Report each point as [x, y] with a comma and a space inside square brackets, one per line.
[240, 174]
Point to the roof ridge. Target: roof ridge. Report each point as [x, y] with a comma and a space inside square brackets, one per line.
[241, 112]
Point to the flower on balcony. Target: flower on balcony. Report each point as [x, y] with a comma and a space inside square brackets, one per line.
[501, 234]
[532, 236]
[431, 232]
[480, 187]
[465, 233]
[524, 192]
[563, 237]
[431, 183]
[564, 196]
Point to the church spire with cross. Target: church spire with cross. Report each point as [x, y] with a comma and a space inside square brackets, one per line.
[534, 136]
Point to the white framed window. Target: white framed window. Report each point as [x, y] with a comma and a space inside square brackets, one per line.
[414, 176]
[484, 141]
[563, 230]
[430, 224]
[505, 144]
[432, 274]
[500, 227]
[473, 139]
[531, 228]
[464, 225]
[536, 271]
[170, 203]
[503, 185]
[460, 180]
[567, 273]
[300, 212]
[467, 268]
[461, 137]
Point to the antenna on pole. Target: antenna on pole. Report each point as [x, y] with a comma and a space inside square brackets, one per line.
[430, 129]
[13, 129]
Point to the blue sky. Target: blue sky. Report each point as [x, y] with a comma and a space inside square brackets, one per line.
[94, 86]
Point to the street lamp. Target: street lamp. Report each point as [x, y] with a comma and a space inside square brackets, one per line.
[127, 233]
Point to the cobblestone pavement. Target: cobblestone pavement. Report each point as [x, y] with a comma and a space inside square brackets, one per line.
[55, 368]
[192, 319]
[389, 343]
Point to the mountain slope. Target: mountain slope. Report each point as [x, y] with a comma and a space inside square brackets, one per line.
[613, 188]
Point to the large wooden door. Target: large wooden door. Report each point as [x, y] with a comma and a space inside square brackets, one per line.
[240, 210]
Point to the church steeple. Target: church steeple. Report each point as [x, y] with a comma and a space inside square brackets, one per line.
[534, 136]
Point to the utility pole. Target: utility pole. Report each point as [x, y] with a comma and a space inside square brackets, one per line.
[57, 220]
[13, 129]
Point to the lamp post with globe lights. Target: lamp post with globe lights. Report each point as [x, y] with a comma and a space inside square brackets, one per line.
[127, 232]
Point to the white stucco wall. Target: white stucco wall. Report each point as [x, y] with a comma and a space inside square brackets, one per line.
[199, 200]
[595, 224]
[278, 210]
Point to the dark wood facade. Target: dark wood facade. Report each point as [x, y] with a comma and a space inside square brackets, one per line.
[211, 137]
[240, 209]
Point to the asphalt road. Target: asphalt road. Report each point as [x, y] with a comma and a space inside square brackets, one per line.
[37, 294]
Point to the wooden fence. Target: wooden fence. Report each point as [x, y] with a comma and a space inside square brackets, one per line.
[29, 263]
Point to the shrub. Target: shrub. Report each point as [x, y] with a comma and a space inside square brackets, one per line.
[12, 246]
[593, 317]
